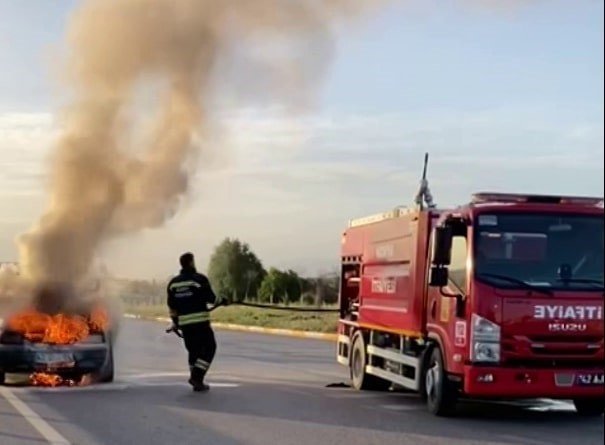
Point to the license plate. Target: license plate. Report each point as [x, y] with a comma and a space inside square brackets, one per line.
[590, 379]
[55, 359]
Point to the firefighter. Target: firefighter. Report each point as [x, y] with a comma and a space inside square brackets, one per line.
[189, 294]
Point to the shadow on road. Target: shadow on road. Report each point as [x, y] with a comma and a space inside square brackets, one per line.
[399, 413]
[174, 414]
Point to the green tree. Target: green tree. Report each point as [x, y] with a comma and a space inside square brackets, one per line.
[270, 286]
[295, 286]
[234, 270]
[281, 287]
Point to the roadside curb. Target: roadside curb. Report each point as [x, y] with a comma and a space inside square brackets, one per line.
[255, 329]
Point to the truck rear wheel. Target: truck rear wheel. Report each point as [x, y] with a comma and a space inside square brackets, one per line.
[589, 407]
[440, 395]
[360, 379]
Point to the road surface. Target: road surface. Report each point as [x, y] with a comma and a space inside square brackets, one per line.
[265, 390]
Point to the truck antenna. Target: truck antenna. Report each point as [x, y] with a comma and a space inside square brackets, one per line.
[424, 193]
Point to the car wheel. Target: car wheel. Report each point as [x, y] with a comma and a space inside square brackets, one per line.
[440, 394]
[108, 370]
[106, 373]
[589, 407]
[2, 377]
[359, 378]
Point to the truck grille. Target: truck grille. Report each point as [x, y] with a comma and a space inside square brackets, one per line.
[552, 349]
[562, 363]
[565, 339]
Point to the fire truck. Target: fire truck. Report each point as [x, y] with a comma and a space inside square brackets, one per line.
[498, 299]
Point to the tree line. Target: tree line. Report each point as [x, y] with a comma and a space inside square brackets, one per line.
[237, 273]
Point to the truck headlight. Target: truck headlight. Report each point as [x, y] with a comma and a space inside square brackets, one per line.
[486, 352]
[485, 330]
[485, 343]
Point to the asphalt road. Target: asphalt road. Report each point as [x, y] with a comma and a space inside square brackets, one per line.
[266, 390]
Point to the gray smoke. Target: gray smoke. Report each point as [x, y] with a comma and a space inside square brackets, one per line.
[101, 187]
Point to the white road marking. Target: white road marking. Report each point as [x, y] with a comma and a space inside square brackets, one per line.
[127, 382]
[132, 316]
[139, 378]
[151, 375]
[51, 435]
[401, 407]
[212, 385]
[554, 405]
[94, 387]
[546, 405]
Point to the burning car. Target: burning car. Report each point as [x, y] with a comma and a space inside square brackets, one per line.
[58, 348]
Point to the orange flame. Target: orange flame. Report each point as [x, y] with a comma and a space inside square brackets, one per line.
[44, 379]
[98, 320]
[60, 329]
[50, 380]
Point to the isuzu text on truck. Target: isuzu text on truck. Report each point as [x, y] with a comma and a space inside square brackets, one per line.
[501, 298]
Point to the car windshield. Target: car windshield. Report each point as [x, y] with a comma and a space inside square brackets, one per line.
[553, 251]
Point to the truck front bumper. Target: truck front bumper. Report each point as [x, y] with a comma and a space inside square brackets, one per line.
[497, 382]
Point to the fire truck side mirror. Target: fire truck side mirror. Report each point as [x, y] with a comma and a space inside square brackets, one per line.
[439, 276]
[442, 248]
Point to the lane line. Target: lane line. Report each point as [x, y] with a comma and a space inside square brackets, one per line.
[186, 385]
[51, 435]
[118, 386]
[142, 375]
[401, 407]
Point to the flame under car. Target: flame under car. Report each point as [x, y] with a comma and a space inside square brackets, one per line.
[66, 347]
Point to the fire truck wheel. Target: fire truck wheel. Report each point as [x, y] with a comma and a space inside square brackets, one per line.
[440, 395]
[589, 407]
[359, 378]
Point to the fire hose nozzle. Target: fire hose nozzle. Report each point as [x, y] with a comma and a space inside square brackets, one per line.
[175, 330]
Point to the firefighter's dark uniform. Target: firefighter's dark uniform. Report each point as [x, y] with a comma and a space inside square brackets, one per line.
[189, 294]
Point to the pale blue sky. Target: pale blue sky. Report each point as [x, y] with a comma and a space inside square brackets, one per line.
[504, 98]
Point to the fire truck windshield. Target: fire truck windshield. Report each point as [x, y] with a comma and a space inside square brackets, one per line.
[539, 250]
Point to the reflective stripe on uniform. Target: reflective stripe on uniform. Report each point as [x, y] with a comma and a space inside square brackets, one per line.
[201, 364]
[187, 283]
[196, 317]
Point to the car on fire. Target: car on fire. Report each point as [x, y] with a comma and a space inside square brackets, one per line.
[93, 355]
[59, 346]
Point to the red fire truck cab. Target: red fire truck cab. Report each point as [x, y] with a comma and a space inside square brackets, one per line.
[501, 298]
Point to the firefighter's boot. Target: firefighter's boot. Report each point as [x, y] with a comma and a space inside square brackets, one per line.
[199, 386]
[197, 380]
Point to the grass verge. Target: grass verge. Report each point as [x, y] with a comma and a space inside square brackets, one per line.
[267, 318]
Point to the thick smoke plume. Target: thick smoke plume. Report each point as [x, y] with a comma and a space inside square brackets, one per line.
[101, 186]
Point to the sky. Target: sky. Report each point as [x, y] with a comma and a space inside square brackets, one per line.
[507, 97]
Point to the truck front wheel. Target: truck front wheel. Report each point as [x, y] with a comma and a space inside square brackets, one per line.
[589, 407]
[440, 394]
[359, 378]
